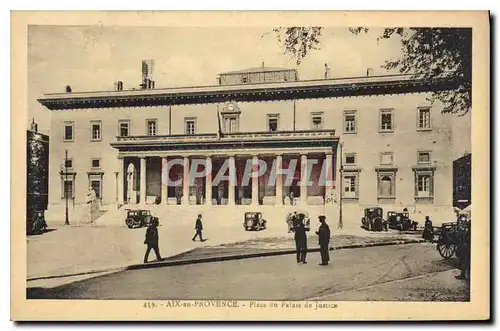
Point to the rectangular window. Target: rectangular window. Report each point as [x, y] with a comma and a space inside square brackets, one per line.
[67, 189]
[350, 121]
[423, 157]
[317, 121]
[68, 131]
[424, 119]
[230, 124]
[386, 120]
[272, 122]
[68, 163]
[95, 128]
[151, 127]
[350, 159]
[424, 182]
[123, 128]
[350, 185]
[96, 186]
[386, 158]
[96, 163]
[190, 125]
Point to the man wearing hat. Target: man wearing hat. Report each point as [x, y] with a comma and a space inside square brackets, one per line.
[323, 240]
[198, 227]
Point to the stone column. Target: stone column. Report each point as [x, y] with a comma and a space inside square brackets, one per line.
[120, 178]
[255, 181]
[142, 189]
[303, 179]
[279, 181]
[231, 185]
[185, 182]
[208, 182]
[164, 187]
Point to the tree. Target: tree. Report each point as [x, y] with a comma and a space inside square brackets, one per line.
[427, 53]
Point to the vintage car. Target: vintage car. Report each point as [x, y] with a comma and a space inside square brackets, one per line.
[37, 224]
[373, 219]
[254, 221]
[137, 218]
[400, 221]
[303, 217]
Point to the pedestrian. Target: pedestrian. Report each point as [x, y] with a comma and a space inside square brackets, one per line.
[291, 198]
[428, 233]
[323, 240]
[301, 242]
[464, 253]
[152, 241]
[199, 228]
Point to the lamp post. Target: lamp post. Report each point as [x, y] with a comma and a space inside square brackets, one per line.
[341, 184]
[66, 185]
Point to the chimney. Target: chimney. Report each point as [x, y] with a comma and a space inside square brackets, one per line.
[119, 85]
[369, 72]
[68, 89]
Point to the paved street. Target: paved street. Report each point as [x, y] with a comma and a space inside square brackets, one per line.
[403, 272]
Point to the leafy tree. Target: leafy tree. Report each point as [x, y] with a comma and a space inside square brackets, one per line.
[427, 53]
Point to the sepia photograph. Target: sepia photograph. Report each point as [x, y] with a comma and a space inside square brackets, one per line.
[277, 166]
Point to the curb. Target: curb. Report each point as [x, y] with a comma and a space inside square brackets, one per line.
[175, 261]
[277, 252]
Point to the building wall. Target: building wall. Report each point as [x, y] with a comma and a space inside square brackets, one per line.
[368, 142]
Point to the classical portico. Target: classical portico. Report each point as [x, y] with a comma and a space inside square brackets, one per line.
[258, 168]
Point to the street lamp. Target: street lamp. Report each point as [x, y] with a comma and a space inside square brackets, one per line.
[66, 185]
[341, 184]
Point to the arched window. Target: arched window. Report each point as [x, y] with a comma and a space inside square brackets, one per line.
[386, 186]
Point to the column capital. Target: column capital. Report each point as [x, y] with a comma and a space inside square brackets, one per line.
[329, 153]
[304, 154]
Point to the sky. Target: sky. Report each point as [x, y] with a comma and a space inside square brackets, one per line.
[93, 58]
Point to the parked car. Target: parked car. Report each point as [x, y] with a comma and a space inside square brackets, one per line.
[137, 218]
[373, 219]
[254, 221]
[400, 221]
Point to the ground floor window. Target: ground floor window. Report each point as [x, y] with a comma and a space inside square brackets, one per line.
[68, 189]
[96, 186]
[350, 181]
[424, 184]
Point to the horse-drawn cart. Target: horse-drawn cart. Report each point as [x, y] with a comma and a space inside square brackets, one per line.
[452, 236]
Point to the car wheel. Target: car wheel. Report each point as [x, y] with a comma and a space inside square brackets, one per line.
[130, 223]
[370, 227]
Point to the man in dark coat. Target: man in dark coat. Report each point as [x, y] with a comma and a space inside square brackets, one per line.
[199, 228]
[301, 242]
[323, 240]
[152, 241]
[463, 252]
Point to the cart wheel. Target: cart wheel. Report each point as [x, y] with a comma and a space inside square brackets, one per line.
[446, 250]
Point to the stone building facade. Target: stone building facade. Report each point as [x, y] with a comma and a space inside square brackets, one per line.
[382, 141]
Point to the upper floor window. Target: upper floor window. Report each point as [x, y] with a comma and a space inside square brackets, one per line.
[190, 125]
[350, 121]
[68, 131]
[424, 119]
[317, 121]
[272, 122]
[423, 157]
[95, 128]
[124, 128]
[96, 163]
[151, 129]
[386, 120]
[350, 159]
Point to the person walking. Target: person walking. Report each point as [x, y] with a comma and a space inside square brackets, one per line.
[199, 228]
[152, 241]
[323, 240]
[301, 242]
